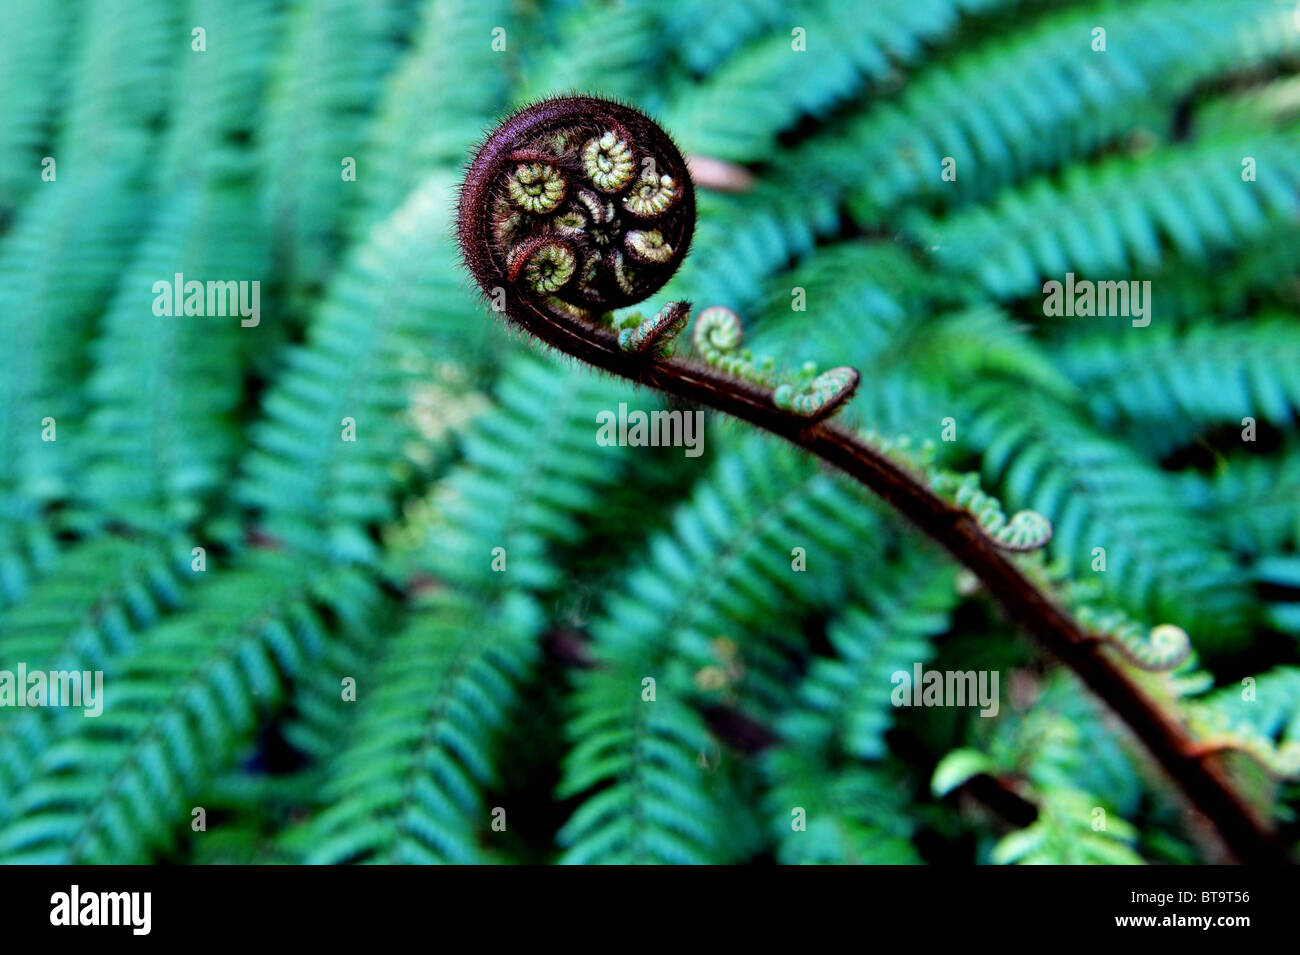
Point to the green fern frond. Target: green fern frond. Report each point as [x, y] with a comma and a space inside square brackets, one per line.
[618, 49]
[35, 40]
[731, 555]
[1271, 103]
[163, 435]
[705, 33]
[1268, 704]
[103, 595]
[28, 550]
[1259, 718]
[856, 294]
[1167, 385]
[530, 478]
[1252, 502]
[829, 52]
[852, 815]
[1125, 214]
[823, 805]
[214, 86]
[60, 262]
[409, 786]
[741, 240]
[1045, 96]
[1057, 753]
[503, 587]
[178, 708]
[315, 488]
[326, 76]
[1281, 573]
[454, 40]
[528, 505]
[1064, 834]
[119, 88]
[883, 632]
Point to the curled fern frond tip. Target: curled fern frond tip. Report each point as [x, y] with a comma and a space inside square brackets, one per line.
[1161, 648]
[577, 205]
[718, 336]
[1026, 531]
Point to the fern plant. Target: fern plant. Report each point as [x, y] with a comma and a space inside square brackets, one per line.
[365, 583]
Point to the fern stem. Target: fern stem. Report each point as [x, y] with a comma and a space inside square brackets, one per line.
[1244, 833]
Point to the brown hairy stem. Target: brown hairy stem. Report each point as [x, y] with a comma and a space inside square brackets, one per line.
[1248, 837]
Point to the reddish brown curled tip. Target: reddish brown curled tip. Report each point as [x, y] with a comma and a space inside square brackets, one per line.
[577, 206]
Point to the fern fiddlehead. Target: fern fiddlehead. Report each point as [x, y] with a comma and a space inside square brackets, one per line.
[576, 206]
[1163, 647]
[717, 338]
[1024, 531]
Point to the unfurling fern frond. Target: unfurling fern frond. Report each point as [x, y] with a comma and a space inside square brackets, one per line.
[810, 394]
[445, 612]
[1163, 647]
[539, 236]
[1023, 531]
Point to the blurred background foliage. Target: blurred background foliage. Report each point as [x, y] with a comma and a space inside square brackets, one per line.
[479, 690]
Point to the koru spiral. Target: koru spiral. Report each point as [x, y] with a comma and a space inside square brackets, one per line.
[578, 204]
